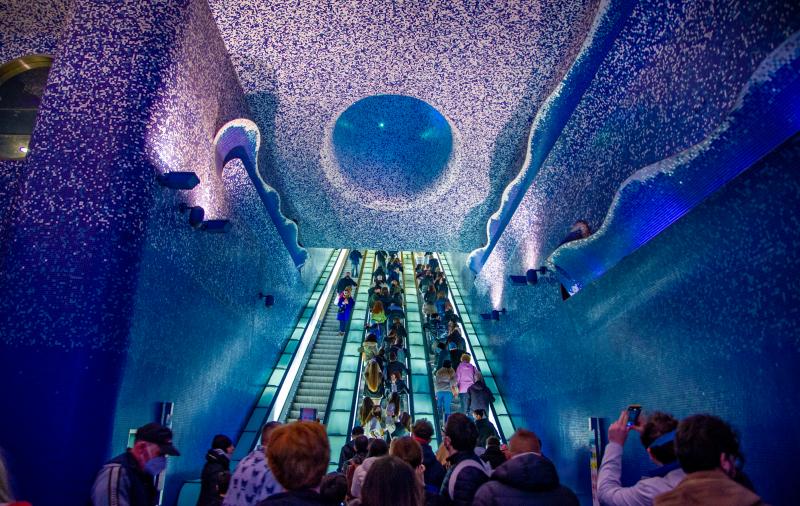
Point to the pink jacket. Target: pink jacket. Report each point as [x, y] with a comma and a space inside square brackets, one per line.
[465, 376]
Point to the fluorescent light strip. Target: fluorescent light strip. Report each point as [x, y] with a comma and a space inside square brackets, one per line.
[464, 334]
[311, 329]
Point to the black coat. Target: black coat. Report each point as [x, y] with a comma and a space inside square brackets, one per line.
[469, 481]
[526, 480]
[348, 452]
[485, 431]
[434, 470]
[217, 462]
[494, 456]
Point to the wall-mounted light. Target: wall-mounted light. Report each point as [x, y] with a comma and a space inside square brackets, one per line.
[494, 314]
[178, 180]
[269, 300]
[196, 214]
[216, 226]
[531, 277]
[23, 149]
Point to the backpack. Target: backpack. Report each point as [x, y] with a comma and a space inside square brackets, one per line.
[485, 467]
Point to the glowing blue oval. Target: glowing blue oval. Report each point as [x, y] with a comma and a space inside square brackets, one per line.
[396, 143]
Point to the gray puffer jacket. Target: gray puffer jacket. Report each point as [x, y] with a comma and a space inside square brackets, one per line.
[525, 480]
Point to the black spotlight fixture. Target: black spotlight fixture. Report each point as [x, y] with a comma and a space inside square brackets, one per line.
[494, 314]
[178, 180]
[216, 226]
[269, 300]
[196, 214]
[531, 277]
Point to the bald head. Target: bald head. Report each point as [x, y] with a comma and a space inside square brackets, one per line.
[524, 441]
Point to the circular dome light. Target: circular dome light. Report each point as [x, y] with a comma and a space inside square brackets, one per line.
[392, 144]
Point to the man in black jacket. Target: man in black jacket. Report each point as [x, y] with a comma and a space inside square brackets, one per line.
[527, 479]
[349, 449]
[467, 471]
[127, 480]
[345, 282]
[434, 470]
[218, 461]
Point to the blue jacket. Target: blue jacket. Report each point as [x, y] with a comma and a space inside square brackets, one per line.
[344, 309]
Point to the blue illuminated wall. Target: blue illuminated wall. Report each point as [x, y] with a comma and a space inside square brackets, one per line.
[704, 318]
[110, 301]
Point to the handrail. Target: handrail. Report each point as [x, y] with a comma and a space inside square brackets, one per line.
[280, 403]
[256, 404]
[341, 351]
[493, 416]
[360, 377]
[437, 423]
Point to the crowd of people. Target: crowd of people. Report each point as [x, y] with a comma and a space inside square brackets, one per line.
[698, 461]
[390, 459]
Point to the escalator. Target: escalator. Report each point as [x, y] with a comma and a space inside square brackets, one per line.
[317, 379]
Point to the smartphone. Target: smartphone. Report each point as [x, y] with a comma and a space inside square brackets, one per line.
[634, 410]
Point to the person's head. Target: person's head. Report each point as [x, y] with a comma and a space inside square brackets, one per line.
[480, 414]
[377, 289]
[409, 451]
[357, 431]
[392, 356]
[361, 444]
[706, 442]
[460, 433]
[441, 346]
[396, 322]
[377, 307]
[298, 454]
[374, 376]
[385, 291]
[423, 429]
[371, 338]
[153, 442]
[525, 441]
[346, 293]
[478, 377]
[267, 430]
[451, 325]
[448, 306]
[377, 448]
[347, 274]
[391, 481]
[404, 420]
[395, 377]
[447, 364]
[366, 408]
[222, 442]
[493, 441]
[466, 358]
[658, 437]
[333, 488]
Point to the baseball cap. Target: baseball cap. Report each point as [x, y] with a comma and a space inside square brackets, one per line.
[157, 434]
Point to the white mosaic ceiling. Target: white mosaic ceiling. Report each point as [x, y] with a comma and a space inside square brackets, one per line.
[485, 66]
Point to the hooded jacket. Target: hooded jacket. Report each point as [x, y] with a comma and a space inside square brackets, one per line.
[480, 397]
[527, 479]
[708, 487]
[217, 462]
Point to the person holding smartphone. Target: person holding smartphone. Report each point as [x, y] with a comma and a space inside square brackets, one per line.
[657, 434]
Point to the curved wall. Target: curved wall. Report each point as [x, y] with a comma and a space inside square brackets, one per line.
[701, 319]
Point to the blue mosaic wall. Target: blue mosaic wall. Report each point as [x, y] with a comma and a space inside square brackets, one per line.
[703, 318]
[672, 75]
[485, 66]
[105, 286]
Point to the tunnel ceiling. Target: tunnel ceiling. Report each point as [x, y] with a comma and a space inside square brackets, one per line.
[481, 71]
